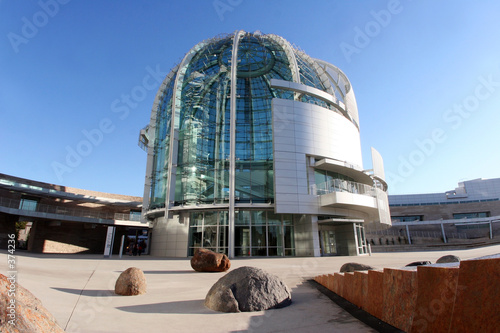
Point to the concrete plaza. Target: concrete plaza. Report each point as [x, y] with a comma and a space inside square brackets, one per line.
[78, 291]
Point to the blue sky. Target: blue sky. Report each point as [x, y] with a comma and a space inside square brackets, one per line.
[78, 79]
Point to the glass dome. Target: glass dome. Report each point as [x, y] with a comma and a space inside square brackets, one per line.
[193, 112]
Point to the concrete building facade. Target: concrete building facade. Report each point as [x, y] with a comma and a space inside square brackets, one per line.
[50, 218]
[254, 150]
[470, 211]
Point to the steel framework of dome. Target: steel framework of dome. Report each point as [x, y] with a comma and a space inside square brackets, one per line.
[217, 136]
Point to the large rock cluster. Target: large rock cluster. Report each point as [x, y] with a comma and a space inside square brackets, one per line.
[248, 289]
[208, 261]
[30, 315]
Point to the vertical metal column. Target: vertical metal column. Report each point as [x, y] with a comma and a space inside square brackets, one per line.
[356, 239]
[444, 235]
[171, 162]
[491, 230]
[408, 233]
[232, 141]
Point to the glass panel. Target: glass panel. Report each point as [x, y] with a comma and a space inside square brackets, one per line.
[211, 218]
[275, 237]
[258, 217]
[196, 219]
[242, 218]
[223, 238]
[242, 239]
[210, 237]
[273, 252]
[358, 236]
[259, 252]
[135, 216]
[242, 251]
[273, 218]
[259, 236]
[195, 236]
[470, 215]
[287, 219]
[28, 204]
[289, 238]
[224, 218]
[329, 242]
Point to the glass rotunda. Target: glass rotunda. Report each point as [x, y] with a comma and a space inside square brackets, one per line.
[251, 145]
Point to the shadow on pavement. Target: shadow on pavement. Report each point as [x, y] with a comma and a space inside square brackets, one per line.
[177, 307]
[89, 292]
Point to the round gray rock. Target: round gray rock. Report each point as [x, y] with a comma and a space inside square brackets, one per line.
[353, 266]
[447, 259]
[131, 282]
[248, 289]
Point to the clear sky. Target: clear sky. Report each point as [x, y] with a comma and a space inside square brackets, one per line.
[78, 79]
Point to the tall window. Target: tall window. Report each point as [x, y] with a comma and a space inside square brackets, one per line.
[28, 204]
[208, 230]
[328, 181]
[263, 233]
[471, 215]
[410, 218]
[135, 215]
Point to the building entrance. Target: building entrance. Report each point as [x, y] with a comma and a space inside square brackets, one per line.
[328, 243]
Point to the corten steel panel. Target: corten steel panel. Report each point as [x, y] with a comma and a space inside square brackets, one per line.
[348, 286]
[435, 298]
[329, 282]
[360, 288]
[478, 297]
[339, 277]
[400, 294]
[375, 303]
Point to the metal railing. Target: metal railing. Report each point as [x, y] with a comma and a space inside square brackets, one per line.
[340, 185]
[68, 211]
[414, 233]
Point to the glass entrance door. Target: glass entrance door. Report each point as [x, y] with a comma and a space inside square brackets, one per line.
[328, 243]
[359, 229]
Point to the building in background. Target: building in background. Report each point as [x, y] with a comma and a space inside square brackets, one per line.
[253, 149]
[468, 214]
[51, 218]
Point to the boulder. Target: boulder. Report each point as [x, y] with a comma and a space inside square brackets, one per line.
[30, 315]
[418, 263]
[209, 261]
[248, 289]
[447, 259]
[353, 266]
[131, 282]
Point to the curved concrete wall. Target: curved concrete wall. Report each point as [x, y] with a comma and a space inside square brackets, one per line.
[300, 131]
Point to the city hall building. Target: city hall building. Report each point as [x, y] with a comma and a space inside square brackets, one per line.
[253, 149]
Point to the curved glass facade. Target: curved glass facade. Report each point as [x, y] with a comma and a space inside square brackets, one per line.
[202, 161]
[210, 140]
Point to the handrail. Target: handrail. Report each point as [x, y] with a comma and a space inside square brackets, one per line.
[341, 185]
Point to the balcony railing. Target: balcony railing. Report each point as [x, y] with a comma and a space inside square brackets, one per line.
[340, 185]
[69, 211]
